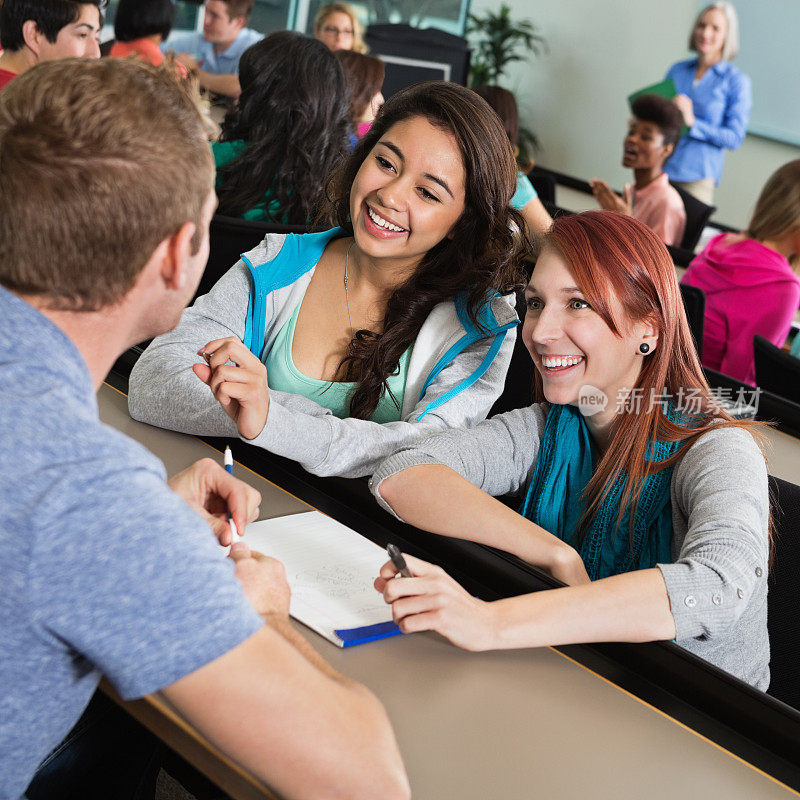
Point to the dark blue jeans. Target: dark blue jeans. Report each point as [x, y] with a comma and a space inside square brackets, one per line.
[110, 756]
[106, 755]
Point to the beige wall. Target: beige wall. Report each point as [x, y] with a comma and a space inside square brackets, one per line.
[601, 51]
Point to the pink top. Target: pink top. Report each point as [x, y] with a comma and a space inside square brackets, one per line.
[660, 207]
[6, 77]
[750, 289]
[362, 128]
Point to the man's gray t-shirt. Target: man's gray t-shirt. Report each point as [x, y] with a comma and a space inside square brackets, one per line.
[103, 569]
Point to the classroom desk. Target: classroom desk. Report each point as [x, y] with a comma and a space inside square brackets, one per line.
[511, 724]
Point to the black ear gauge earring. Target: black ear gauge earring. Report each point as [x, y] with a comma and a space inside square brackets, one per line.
[644, 348]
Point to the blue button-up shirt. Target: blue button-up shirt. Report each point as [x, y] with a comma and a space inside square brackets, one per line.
[224, 63]
[722, 100]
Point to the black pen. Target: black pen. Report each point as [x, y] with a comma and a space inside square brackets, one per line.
[399, 562]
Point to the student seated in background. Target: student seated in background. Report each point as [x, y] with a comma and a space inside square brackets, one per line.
[638, 490]
[347, 344]
[140, 26]
[41, 30]
[285, 134]
[364, 76]
[213, 55]
[337, 27]
[653, 132]
[105, 568]
[750, 279]
[525, 199]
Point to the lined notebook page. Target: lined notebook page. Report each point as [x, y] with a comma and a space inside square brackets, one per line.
[330, 569]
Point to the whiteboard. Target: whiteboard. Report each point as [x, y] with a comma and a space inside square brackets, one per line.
[770, 37]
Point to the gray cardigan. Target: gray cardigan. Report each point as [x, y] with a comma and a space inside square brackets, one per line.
[164, 391]
[717, 581]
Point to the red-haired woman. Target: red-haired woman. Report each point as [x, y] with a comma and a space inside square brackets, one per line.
[638, 490]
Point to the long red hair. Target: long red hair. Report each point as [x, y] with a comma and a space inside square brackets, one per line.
[611, 254]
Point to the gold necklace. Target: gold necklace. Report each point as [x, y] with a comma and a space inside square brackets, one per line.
[346, 293]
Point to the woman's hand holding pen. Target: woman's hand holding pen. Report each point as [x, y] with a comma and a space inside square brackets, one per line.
[211, 491]
[433, 601]
[240, 387]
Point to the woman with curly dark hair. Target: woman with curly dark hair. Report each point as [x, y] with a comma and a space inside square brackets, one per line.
[288, 130]
[337, 348]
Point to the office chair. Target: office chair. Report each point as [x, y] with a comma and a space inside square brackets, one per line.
[544, 184]
[783, 599]
[697, 215]
[694, 301]
[229, 238]
[776, 370]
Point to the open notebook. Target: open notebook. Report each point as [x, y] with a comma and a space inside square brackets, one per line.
[330, 569]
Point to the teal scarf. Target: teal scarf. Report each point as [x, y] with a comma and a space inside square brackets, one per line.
[564, 466]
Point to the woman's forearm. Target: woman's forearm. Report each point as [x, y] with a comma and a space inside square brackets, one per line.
[437, 499]
[633, 607]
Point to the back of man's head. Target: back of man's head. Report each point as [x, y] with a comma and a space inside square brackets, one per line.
[100, 161]
[50, 17]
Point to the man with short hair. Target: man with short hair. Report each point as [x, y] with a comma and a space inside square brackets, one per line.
[106, 193]
[214, 55]
[41, 30]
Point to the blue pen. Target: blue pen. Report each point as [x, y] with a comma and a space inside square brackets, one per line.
[228, 460]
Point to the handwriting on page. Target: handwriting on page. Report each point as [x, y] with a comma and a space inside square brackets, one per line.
[330, 569]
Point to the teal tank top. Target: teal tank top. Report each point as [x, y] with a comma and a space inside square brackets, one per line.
[334, 395]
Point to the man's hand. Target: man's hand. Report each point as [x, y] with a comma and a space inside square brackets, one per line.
[608, 199]
[263, 579]
[212, 492]
[240, 387]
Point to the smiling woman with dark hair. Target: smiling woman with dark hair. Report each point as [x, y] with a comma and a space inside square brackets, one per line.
[336, 348]
[286, 133]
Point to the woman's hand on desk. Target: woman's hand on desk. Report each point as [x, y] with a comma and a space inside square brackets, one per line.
[240, 386]
[212, 492]
[433, 601]
[263, 579]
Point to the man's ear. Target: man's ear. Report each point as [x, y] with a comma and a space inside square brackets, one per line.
[177, 255]
[669, 149]
[32, 36]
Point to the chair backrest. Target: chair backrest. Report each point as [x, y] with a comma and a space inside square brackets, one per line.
[697, 215]
[694, 301]
[776, 370]
[545, 185]
[518, 389]
[229, 238]
[783, 598]
[417, 54]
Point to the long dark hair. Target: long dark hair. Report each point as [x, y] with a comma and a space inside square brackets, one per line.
[293, 114]
[364, 76]
[484, 253]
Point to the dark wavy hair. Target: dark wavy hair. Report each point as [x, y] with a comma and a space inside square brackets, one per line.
[482, 256]
[293, 114]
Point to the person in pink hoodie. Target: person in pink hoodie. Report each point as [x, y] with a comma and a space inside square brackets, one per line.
[750, 279]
